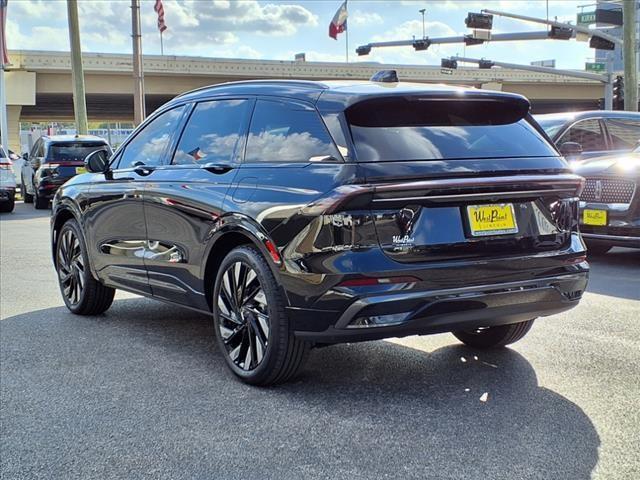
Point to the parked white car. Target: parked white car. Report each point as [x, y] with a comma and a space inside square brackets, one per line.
[7, 183]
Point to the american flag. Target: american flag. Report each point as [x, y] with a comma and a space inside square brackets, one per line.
[3, 26]
[160, 11]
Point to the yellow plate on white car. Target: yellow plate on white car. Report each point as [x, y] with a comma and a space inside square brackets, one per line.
[594, 217]
[80, 170]
[496, 219]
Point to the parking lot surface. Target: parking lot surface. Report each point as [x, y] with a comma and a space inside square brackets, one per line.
[142, 392]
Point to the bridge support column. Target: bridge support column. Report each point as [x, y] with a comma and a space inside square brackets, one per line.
[13, 121]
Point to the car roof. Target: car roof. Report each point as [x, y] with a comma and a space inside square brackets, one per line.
[573, 116]
[336, 94]
[73, 138]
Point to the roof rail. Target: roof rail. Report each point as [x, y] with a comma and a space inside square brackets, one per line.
[308, 83]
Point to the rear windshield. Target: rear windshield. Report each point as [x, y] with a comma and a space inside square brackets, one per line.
[409, 128]
[72, 152]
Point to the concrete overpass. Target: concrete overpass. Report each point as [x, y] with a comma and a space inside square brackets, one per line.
[39, 83]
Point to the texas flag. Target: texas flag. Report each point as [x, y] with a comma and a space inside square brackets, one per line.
[339, 22]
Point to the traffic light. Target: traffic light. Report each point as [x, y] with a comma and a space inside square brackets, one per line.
[449, 63]
[422, 44]
[560, 33]
[485, 64]
[482, 21]
[600, 43]
[363, 50]
[618, 93]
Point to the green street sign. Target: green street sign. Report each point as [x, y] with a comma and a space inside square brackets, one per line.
[586, 18]
[597, 67]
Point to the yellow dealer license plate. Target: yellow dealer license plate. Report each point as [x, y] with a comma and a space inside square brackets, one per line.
[80, 170]
[498, 219]
[594, 217]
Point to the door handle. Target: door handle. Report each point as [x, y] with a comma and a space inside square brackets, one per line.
[143, 170]
[218, 168]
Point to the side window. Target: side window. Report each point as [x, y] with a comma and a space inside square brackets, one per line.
[36, 149]
[287, 132]
[149, 145]
[213, 132]
[587, 133]
[624, 133]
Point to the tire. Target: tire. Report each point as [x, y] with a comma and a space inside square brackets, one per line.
[27, 197]
[597, 248]
[251, 326]
[38, 202]
[494, 337]
[72, 265]
[8, 206]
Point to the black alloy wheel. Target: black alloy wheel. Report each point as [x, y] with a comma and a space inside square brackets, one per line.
[251, 326]
[81, 292]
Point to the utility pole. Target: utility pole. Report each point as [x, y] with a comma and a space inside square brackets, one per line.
[629, 55]
[138, 78]
[77, 73]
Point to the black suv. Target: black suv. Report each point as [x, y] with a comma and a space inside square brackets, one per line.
[53, 160]
[304, 213]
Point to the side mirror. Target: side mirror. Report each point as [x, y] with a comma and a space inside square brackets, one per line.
[25, 155]
[570, 149]
[97, 161]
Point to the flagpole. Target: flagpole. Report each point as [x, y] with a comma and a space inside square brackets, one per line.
[347, 35]
[161, 46]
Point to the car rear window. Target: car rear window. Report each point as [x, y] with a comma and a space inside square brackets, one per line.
[72, 152]
[413, 128]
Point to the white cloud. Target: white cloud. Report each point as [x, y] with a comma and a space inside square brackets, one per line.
[361, 18]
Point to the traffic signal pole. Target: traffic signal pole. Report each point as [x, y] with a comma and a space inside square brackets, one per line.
[629, 55]
[138, 79]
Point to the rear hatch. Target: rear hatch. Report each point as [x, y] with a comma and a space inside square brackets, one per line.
[461, 177]
[66, 159]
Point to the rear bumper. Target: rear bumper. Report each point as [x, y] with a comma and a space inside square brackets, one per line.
[421, 312]
[613, 240]
[7, 194]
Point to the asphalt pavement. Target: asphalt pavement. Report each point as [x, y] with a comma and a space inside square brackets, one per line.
[142, 392]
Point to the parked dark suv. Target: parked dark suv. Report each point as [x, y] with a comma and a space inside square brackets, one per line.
[53, 160]
[307, 213]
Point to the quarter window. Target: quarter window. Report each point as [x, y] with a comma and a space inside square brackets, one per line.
[587, 133]
[149, 146]
[625, 134]
[287, 132]
[213, 133]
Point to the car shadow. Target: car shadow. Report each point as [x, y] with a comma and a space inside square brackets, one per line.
[143, 389]
[25, 211]
[616, 273]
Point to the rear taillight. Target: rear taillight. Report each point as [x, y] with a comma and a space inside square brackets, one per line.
[5, 165]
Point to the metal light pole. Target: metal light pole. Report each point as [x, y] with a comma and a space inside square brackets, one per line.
[77, 73]
[629, 52]
[422, 11]
[138, 79]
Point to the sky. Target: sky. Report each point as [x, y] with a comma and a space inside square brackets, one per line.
[277, 30]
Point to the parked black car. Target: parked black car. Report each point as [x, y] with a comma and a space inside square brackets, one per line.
[584, 135]
[53, 160]
[610, 202]
[307, 213]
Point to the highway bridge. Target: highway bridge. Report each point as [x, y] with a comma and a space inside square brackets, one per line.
[39, 85]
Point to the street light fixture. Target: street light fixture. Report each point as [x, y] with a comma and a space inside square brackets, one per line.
[363, 50]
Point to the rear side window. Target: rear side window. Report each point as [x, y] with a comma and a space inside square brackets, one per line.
[588, 133]
[149, 146]
[287, 132]
[413, 128]
[624, 134]
[213, 132]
